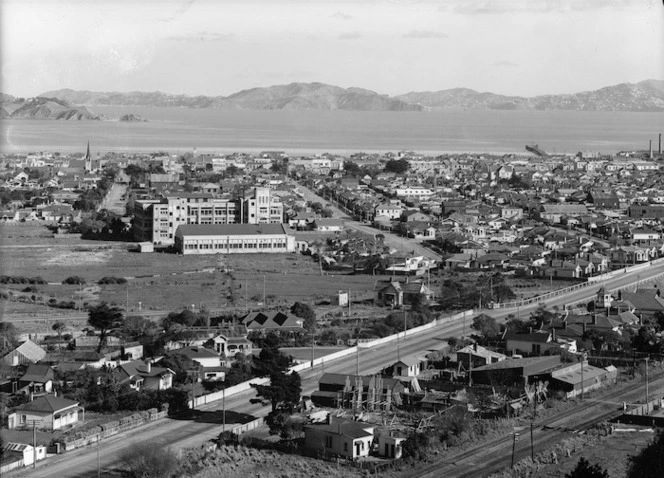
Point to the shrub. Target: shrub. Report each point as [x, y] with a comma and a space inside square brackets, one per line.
[74, 280]
[112, 280]
[150, 460]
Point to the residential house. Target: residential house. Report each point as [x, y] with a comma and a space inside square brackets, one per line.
[408, 367]
[272, 321]
[210, 361]
[391, 211]
[513, 372]
[27, 352]
[47, 413]
[539, 342]
[348, 439]
[17, 455]
[478, 355]
[143, 375]
[37, 379]
[328, 225]
[395, 293]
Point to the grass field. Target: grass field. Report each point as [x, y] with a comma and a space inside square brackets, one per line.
[159, 281]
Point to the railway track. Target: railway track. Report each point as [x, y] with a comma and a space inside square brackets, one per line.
[494, 455]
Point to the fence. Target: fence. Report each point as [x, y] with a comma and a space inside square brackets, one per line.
[239, 388]
[247, 426]
[94, 437]
[230, 391]
[591, 281]
[641, 415]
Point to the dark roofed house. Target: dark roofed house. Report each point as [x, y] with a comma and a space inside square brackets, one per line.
[38, 378]
[513, 371]
[143, 375]
[272, 321]
[49, 413]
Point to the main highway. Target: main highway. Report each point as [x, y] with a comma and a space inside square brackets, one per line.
[207, 423]
[187, 433]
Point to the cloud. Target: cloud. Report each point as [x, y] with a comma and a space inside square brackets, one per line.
[424, 34]
[350, 36]
[505, 64]
[202, 37]
[342, 16]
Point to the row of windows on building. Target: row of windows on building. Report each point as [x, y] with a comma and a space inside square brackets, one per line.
[235, 245]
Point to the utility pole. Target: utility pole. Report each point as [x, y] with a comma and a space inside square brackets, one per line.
[357, 358]
[127, 306]
[313, 344]
[582, 386]
[348, 302]
[647, 358]
[532, 443]
[516, 439]
[223, 408]
[263, 290]
[98, 456]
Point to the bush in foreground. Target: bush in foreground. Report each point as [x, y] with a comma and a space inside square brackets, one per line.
[149, 460]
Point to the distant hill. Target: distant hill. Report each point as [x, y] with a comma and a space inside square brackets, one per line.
[298, 96]
[43, 108]
[646, 95]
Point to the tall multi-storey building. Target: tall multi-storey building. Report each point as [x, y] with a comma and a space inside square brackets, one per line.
[262, 208]
[156, 220]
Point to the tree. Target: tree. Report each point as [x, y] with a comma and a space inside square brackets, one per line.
[306, 312]
[181, 365]
[486, 326]
[396, 166]
[586, 470]
[284, 389]
[59, 326]
[649, 463]
[9, 335]
[104, 318]
[150, 460]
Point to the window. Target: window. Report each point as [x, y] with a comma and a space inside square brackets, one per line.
[345, 446]
[24, 418]
[328, 442]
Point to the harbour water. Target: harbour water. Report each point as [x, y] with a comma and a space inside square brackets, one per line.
[178, 130]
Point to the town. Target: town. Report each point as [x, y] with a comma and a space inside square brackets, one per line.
[384, 312]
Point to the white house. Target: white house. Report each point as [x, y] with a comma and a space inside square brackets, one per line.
[49, 413]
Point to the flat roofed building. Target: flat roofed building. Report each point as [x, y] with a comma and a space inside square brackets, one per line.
[233, 239]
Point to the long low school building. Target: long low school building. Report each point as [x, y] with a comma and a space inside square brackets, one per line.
[233, 239]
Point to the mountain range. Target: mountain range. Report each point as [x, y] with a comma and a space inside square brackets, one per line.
[43, 108]
[645, 96]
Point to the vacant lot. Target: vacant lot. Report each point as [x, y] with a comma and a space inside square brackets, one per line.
[612, 453]
[159, 281]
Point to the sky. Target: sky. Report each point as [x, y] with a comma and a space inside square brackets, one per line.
[205, 47]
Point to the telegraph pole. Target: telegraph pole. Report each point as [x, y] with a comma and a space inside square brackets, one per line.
[647, 358]
[516, 439]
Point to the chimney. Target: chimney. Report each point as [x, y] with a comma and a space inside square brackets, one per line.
[594, 316]
[650, 150]
[148, 366]
[585, 327]
[660, 144]
[553, 334]
[475, 346]
[530, 330]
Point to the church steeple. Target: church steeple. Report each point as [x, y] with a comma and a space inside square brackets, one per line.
[88, 160]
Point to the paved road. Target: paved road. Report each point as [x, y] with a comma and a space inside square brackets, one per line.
[113, 201]
[184, 433]
[400, 243]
